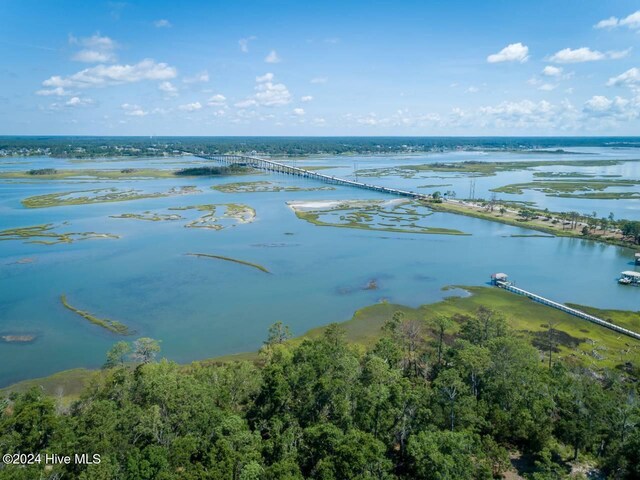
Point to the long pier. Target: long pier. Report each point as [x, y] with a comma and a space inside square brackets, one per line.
[571, 311]
[270, 165]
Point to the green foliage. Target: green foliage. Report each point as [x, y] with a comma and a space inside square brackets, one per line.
[449, 407]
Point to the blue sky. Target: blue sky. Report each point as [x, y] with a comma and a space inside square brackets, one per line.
[320, 67]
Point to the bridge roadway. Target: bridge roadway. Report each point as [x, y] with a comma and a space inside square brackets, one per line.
[264, 164]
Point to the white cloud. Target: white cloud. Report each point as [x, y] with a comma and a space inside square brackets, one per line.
[58, 91]
[97, 49]
[631, 21]
[267, 77]
[268, 93]
[216, 100]
[168, 88]
[272, 94]
[272, 57]
[598, 103]
[319, 80]
[306, 98]
[299, 112]
[249, 102]
[244, 43]
[515, 52]
[133, 110]
[202, 77]
[103, 75]
[547, 87]
[607, 23]
[93, 56]
[472, 89]
[618, 54]
[629, 78]
[78, 102]
[162, 23]
[617, 108]
[190, 107]
[551, 71]
[585, 54]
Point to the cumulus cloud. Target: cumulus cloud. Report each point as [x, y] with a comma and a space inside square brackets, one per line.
[267, 77]
[103, 75]
[578, 55]
[631, 21]
[190, 107]
[272, 57]
[547, 87]
[96, 49]
[299, 112]
[319, 80]
[202, 77]
[79, 102]
[585, 54]
[616, 108]
[162, 23]
[216, 100]
[630, 78]
[244, 43]
[515, 52]
[57, 91]
[472, 89]
[133, 110]
[168, 88]
[306, 98]
[268, 93]
[551, 71]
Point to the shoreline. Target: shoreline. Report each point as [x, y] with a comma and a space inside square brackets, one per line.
[477, 210]
[364, 329]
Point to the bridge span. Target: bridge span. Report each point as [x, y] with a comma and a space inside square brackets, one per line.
[270, 165]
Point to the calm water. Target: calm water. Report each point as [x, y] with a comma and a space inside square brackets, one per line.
[202, 308]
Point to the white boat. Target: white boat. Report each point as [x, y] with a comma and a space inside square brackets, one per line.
[629, 277]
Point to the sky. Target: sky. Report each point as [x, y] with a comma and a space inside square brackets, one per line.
[328, 67]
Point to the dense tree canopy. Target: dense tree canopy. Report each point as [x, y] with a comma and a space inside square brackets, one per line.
[413, 405]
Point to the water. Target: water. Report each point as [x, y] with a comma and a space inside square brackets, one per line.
[202, 307]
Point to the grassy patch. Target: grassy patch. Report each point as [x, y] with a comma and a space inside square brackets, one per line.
[259, 187]
[150, 216]
[229, 259]
[477, 168]
[100, 195]
[563, 188]
[124, 173]
[234, 214]
[591, 345]
[46, 235]
[111, 325]
[377, 215]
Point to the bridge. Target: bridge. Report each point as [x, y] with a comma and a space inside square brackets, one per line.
[278, 167]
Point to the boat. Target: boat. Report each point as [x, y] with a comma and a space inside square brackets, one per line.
[629, 277]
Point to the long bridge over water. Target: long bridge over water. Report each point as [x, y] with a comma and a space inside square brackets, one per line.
[278, 167]
[270, 165]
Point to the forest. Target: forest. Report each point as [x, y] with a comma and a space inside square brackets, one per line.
[90, 147]
[421, 402]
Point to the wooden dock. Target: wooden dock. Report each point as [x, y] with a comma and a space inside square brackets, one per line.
[270, 165]
[571, 311]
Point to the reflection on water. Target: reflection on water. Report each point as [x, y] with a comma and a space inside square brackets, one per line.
[206, 308]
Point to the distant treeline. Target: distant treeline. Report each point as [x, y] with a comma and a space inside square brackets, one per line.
[207, 171]
[151, 146]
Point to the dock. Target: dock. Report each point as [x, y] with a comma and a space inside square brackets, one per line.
[500, 280]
